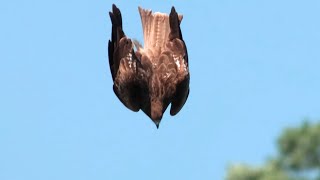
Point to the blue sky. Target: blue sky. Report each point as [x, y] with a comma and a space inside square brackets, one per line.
[254, 70]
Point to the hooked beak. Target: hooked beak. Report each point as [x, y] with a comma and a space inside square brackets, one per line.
[156, 112]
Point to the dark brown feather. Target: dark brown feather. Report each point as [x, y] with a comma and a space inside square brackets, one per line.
[158, 73]
[125, 68]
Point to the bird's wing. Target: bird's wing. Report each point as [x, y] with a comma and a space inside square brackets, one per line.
[180, 56]
[116, 34]
[126, 69]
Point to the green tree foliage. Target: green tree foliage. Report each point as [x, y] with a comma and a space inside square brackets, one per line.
[298, 159]
[270, 171]
[300, 147]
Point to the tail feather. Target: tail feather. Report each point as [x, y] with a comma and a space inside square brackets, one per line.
[146, 19]
[156, 30]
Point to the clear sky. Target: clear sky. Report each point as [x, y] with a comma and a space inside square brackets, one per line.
[254, 70]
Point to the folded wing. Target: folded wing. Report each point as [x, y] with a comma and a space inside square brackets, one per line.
[126, 69]
[180, 55]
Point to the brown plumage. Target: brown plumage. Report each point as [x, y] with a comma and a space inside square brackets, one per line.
[155, 75]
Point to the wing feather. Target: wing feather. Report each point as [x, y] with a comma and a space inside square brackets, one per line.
[125, 67]
[180, 55]
[158, 73]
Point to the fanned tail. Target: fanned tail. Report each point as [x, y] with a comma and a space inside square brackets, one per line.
[155, 30]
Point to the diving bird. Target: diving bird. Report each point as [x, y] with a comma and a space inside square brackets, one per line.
[152, 76]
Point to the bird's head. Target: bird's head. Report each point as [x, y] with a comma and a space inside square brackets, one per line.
[162, 87]
[156, 111]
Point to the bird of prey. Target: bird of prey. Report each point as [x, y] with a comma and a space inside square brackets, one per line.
[155, 75]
